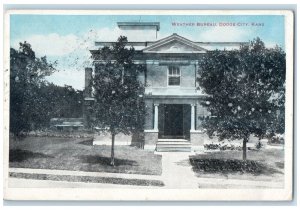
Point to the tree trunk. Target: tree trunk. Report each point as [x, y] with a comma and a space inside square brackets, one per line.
[112, 156]
[245, 148]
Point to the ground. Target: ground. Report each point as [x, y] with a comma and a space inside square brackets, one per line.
[263, 165]
[78, 154]
[74, 162]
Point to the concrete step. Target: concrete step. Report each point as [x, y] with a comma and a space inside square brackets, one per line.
[173, 146]
[173, 149]
[172, 140]
[173, 143]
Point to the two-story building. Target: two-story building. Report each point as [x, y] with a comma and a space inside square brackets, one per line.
[173, 97]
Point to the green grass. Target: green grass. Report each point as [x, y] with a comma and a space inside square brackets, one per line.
[80, 155]
[265, 164]
[88, 179]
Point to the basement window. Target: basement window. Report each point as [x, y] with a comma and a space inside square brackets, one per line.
[174, 76]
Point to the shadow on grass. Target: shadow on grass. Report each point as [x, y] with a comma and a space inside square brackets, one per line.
[227, 166]
[19, 155]
[95, 159]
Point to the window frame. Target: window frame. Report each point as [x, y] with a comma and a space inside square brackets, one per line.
[168, 75]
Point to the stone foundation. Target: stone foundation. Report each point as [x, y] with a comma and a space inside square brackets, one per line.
[151, 138]
[197, 139]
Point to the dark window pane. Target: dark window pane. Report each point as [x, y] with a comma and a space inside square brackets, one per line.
[174, 81]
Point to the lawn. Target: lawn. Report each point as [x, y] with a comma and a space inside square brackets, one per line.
[264, 165]
[80, 155]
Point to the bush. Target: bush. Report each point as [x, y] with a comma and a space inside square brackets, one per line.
[230, 147]
[222, 147]
[211, 146]
[276, 139]
[258, 145]
[218, 165]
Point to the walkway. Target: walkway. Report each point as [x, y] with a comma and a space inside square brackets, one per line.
[177, 171]
[33, 183]
[84, 173]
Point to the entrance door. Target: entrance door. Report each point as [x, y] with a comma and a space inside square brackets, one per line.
[173, 125]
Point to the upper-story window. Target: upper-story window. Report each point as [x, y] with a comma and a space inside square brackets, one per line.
[174, 76]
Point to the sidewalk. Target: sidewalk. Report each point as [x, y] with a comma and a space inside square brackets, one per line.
[37, 183]
[177, 171]
[84, 173]
[33, 183]
[214, 183]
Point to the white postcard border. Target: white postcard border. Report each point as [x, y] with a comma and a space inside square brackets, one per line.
[159, 194]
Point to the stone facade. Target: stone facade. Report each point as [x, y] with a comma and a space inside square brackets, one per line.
[173, 98]
[150, 139]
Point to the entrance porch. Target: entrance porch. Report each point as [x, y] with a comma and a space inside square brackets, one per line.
[173, 127]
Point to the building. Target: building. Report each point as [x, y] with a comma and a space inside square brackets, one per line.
[173, 97]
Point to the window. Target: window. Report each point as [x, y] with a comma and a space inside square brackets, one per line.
[174, 76]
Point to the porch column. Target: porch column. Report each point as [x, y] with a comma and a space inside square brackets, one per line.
[155, 117]
[193, 117]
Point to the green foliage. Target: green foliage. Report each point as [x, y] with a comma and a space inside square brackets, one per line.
[258, 145]
[61, 102]
[33, 101]
[228, 166]
[119, 103]
[221, 147]
[27, 73]
[246, 89]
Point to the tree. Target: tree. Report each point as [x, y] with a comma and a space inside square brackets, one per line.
[27, 74]
[61, 102]
[246, 90]
[119, 104]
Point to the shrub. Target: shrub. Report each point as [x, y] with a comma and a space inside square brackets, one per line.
[211, 146]
[258, 145]
[276, 139]
[218, 165]
[222, 147]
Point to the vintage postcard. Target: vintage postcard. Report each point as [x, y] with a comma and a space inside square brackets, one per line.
[148, 105]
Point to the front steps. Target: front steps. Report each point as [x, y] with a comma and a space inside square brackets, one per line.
[173, 145]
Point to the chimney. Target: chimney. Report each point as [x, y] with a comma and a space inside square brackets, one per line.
[87, 82]
[133, 28]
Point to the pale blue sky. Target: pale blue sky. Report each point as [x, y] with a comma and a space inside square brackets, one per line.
[67, 38]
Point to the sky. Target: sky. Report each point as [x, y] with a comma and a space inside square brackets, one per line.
[68, 38]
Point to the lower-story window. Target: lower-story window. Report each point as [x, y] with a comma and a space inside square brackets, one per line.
[174, 76]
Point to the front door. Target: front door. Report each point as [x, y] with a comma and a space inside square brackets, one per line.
[173, 125]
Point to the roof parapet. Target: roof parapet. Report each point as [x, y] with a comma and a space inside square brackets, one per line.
[138, 25]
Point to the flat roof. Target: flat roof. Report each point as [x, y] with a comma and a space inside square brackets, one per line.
[140, 25]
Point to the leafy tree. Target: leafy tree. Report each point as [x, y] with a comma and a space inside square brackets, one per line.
[27, 74]
[119, 104]
[246, 89]
[62, 102]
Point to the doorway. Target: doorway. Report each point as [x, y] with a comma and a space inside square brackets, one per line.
[174, 121]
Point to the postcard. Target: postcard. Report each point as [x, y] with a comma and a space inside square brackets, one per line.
[184, 105]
